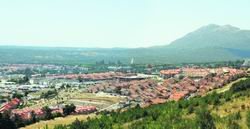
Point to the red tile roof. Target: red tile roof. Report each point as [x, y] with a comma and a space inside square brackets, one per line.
[10, 105]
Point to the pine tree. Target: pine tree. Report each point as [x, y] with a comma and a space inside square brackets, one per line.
[204, 119]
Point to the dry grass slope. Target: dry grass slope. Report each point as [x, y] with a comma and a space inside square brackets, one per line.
[57, 121]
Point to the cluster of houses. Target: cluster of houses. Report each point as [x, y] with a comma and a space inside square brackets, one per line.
[10, 105]
[148, 91]
[201, 82]
[187, 72]
[27, 113]
[89, 77]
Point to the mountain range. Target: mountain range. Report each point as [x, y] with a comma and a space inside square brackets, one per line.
[207, 44]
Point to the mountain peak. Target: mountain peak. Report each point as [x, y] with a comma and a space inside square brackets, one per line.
[211, 26]
[215, 27]
[212, 35]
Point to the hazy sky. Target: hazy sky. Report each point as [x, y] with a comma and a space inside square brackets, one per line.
[112, 23]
